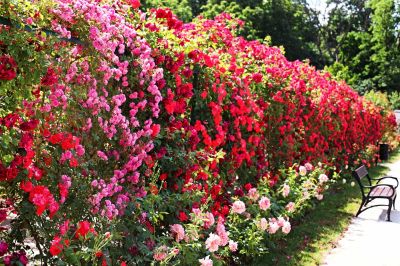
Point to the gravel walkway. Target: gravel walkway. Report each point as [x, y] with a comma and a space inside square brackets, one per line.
[370, 240]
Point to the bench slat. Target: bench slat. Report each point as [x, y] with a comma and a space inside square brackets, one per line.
[381, 192]
[361, 171]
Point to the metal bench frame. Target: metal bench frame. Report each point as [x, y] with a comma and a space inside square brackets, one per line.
[366, 190]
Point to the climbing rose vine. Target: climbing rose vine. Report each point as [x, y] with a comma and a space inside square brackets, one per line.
[130, 137]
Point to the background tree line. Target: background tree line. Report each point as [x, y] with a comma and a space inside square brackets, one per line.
[356, 40]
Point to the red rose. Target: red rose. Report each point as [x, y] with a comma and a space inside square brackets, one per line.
[182, 216]
[56, 246]
[29, 126]
[163, 176]
[35, 172]
[73, 162]
[155, 130]
[134, 3]
[11, 173]
[10, 120]
[56, 138]
[26, 186]
[8, 68]
[149, 226]
[84, 227]
[50, 78]
[69, 142]
[248, 186]
[3, 215]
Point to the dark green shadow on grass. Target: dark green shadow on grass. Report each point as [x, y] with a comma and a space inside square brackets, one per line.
[319, 230]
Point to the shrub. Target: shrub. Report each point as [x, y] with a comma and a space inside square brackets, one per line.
[138, 139]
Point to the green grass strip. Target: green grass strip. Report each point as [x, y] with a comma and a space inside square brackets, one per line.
[319, 231]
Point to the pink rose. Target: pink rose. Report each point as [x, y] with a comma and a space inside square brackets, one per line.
[273, 227]
[263, 224]
[222, 234]
[238, 207]
[264, 203]
[102, 155]
[286, 190]
[253, 194]
[323, 178]
[290, 207]
[281, 221]
[208, 220]
[196, 211]
[206, 261]
[29, 21]
[233, 245]
[213, 242]
[302, 170]
[178, 231]
[286, 227]
[308, 166]
[161, 253]
[319, 196]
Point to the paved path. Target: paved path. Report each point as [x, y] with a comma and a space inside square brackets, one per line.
[370, 240]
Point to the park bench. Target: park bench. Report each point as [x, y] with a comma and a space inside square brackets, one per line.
[380, 190]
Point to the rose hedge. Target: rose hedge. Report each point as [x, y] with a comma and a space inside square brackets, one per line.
[148, 140]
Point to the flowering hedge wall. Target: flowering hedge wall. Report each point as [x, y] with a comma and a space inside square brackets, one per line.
[129, 137]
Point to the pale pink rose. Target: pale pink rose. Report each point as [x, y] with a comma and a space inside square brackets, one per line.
[264, 203]
[213, 242]
[208, 220]
[323, 178]
[308, 166]
[196, 211]
[159, 256]
[308, 184]
[281, 221]
[178, 231]
[290, 207]
[273, 227]
[253, 194]
[224, 238]
[175, 251]
[319, 196]
[222, 234]
[233, 245]
[302, 170]
[160, 253]
[286, 227]
[238, 207]
[206, 261]
[263, 224]
[286, 190]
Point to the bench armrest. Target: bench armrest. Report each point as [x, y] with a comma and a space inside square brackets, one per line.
[386, 177]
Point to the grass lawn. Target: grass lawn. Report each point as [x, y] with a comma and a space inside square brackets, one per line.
[321, 228]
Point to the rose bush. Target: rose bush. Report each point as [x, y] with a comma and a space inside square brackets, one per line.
[137, 138]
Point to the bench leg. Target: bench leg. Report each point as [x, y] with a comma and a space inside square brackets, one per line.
[359, 209]
[394, 202]
[390, 209]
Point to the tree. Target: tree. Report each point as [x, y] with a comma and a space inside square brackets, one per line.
[362, 38]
